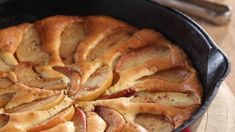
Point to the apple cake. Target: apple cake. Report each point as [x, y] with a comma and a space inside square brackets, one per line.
[93, 74]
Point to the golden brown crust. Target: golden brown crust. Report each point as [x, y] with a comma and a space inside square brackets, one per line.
[62, 117]
[95, 73]
[63, 127]
[96, 29]
[50, 30]
[11, 37]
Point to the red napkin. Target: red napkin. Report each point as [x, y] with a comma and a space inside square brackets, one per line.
[186, 130]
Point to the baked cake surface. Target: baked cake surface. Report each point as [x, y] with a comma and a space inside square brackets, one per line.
[93, 74]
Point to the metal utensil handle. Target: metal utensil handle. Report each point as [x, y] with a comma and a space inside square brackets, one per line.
[216, 13]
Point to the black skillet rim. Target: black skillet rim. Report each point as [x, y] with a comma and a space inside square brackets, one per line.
[207, 102]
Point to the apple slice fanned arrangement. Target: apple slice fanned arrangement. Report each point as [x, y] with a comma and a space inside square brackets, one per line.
[93, 74]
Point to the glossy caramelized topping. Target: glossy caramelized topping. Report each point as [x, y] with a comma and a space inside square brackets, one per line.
[94, 73]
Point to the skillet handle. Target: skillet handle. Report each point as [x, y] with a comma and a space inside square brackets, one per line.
[218, 66]
[213, 12]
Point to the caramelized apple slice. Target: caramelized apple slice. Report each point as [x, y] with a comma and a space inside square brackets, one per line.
[63, 127]
[184, 115]
[4, 118]
[140, 57]
[40, 120]
[182, 80]
[75, 78]
[130, 109]
[61, 117]
[97, 28]
[115, 121]
[26, 75]
[5, 98]
[96, 84]
[95, 123]
[29, 50]
[70, 38]
[9, 59]
[141, 64]
[42, 104]
[139, 39]
[175, 75]
[5, 82]
[21, 95]
[153, 123]
[167, 98]
[80, 120]
[124, 93]
[133, 127]
[51, 31]
[4, 67]
[10, 39]
[97, 54]
[48, 73]
[7, 79]
[100, 50]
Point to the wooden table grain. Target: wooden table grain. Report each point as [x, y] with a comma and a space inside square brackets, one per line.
[220, 116]
[224, 36]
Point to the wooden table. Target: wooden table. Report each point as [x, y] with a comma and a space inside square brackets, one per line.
[220, 117]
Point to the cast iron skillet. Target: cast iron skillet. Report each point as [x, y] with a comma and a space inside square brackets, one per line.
[210, 62]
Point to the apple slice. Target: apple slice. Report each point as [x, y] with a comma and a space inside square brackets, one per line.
[4, 67]
[96, 85]
[136, 65]
[29, 49]
[69, 39]
[183, 80]
[79, 120]
[5, 98]
[61, 117]
[40, 120]
[184, 115]
[124, 93]
[10, 39]
[4, 118]
[153, 123]
[175, 75]
[42, 104]
[97, 54]
[103, 47]
[5, 82]
[26, 75]
[97, 29]
[6, 79]
[167, 98]
[129, 109]
[51, 33]
[75, 78]
[140, 57]
[139, 39]
[9, 59]
[19, 94]
[115, 121]
[95, 122]
[62, 127]
[133, 127]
